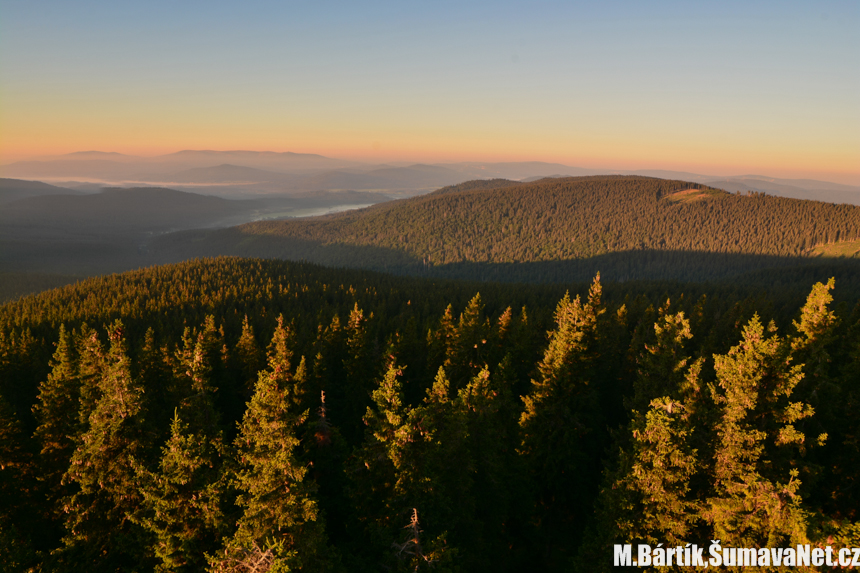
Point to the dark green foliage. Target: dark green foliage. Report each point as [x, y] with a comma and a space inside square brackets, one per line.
[558, 425]
[18, 492]
[428, 426]
[57, 415]
[183, 501]
[98, 527]
[756, 501]
[279, 513]
[552, 230]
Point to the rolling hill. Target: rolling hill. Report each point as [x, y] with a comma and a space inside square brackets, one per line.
[15, 189]
[551, 230]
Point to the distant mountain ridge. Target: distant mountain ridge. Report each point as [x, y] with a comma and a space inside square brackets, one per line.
[15, 189]
[291, 172]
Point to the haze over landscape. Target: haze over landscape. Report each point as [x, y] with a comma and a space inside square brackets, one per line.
[449, 286]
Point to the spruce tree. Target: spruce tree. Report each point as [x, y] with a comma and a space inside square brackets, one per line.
[247, 358]
[467, 350]
[183, 500]
[100, 535]
[20, 528]
[280, 516]
[756, 501]
[372, 475]
[558, 423]
[57, 415]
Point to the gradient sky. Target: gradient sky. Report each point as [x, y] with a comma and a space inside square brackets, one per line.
[718, 88]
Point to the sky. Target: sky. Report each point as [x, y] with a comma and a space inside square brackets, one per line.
[723, 88]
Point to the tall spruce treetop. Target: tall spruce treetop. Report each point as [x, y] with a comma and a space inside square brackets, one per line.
[554, 399]
[248, 356]
[99, 531]
[661, 365]
[183, 501]
[279, 512]
[91, 366]
[756, 502]
[557, 425]
[57, 410]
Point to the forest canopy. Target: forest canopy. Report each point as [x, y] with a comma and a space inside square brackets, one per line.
[220, 413]
[551, 230]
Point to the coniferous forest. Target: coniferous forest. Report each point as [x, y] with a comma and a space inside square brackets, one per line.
[551, 230]
[247, 415]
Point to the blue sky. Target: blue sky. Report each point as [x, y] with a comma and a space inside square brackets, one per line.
[721, 85]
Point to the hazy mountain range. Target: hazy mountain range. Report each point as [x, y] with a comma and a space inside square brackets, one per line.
[252, 173]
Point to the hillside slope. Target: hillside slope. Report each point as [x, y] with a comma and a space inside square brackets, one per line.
[641, 227]
[15, 189]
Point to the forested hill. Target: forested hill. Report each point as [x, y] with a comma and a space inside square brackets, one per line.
[551, 221]
[260, 415]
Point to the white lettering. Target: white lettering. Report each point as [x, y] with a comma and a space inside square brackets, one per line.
[844, 557]
[817, 556]
[763, 557]
[829, 560]
[623, 556]
[789, 559]
[856, 561]
[670, 552]
[716, 555]
[644, 556]
[776, 554]
[730, 556]
[659, 555]
[803, 555]
[698, 560]
[747, 557]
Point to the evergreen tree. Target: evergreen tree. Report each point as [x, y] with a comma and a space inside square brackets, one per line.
[557, 426]
[359, 372]
[279, 512]
[91, 367]
[247, 357]
[658, 482]
[100, 536]
[756, 501]
[467, 351]
[662, 363]
[491, 434]
[183, 502]
[57, 415]
[372, 474]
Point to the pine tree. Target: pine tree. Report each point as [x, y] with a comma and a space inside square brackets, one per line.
[57, 414]
[647, 495]
[182, 505]
[100, 536]
[662, 363]
[372, 470]
[359, 372]
[279, 512]
[490, 413]
[248, 358]
[433, 467]
[91, 367]
[756, 501]
[557, 424]
[661, 467]
[467, 350]
[182, 501]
